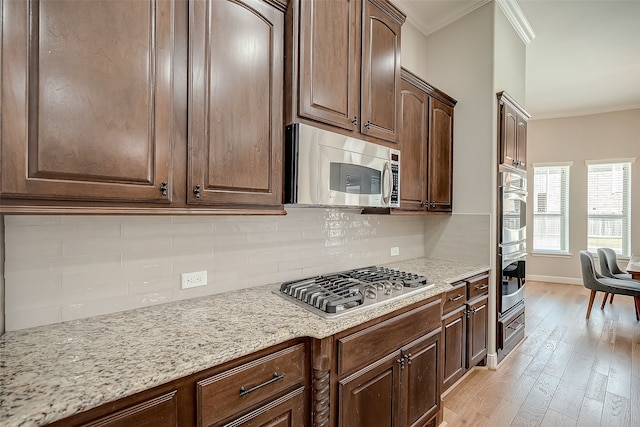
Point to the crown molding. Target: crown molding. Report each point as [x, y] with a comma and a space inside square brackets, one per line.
[412, 15]
[516, 17]
[590, 112]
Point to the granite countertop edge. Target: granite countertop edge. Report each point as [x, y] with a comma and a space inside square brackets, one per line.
[55, 371]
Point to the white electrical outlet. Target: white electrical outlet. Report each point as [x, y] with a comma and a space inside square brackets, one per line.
[395, 251]
[192, 280]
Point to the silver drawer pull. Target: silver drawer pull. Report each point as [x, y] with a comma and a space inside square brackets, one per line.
[455, 298]
[482, 287]
[276, 377]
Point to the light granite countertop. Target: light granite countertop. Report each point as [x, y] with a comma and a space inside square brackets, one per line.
[51, 372]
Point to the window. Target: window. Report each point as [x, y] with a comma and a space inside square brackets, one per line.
[551, 208]
[609, 206]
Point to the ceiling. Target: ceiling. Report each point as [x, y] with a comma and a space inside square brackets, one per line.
[584, 59]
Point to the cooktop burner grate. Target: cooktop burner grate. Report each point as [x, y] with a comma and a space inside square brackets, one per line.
[346, 291]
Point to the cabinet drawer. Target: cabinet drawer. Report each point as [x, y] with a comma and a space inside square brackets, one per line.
[455, 298]
[512, 328]
[376, 341]
[240, 388]
[478, 285]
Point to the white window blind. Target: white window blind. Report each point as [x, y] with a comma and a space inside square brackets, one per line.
[551, 209]
[609, 207]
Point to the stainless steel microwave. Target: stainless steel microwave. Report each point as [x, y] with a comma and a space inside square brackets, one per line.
[324, 168]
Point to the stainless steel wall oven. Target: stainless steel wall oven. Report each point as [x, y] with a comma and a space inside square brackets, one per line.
[512, 250]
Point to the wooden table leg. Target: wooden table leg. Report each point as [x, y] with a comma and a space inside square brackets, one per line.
[636, 300]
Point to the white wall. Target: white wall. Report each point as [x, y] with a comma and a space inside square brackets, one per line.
[613, 135]
[458, 60]
[472, 59]
[61, 268]
[509, 59]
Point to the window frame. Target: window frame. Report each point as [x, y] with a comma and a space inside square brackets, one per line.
[564, 242]
[626, 202]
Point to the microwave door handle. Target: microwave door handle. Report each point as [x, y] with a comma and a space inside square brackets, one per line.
[386, 184]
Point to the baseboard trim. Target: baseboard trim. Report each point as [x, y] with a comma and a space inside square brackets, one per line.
[492, 361]
[555, 279]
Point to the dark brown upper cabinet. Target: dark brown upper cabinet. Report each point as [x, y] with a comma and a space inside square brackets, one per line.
[87, 100]
[426, 178]
[235, 103]
[440, 156]
[414, 108]
[149, 106]
[329, 69]
[344, 67]
[512, 132]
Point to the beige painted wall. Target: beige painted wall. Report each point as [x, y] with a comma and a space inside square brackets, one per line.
[458, 60]
[613, 135]
[509, 59]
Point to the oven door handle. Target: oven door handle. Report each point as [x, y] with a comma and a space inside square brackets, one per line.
[514, 257]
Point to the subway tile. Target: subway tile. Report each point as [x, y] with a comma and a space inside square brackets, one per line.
[79, 310]
[32, 318]
[230, 259]
[153, 285]
[134, 230]
[187, 242]
[25, 220]
[187, 264]
[63, 264]
[262, 226]
[77, 290]
[34, 250]
[129, 262]
[59, 232]
[145, 271]
[29, 296]
[270, 237]
[193, 219]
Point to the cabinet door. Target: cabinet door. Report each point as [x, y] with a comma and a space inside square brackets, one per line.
[522, 142]
[455, 354]
[477, 325]
[329, 68]
[509, 130]
[86, 100]
[440, 155]
[380, 97]
[421, 388]
[415, 125]
[288, 411]
[371, 396]
[161, 411]
[235, 103]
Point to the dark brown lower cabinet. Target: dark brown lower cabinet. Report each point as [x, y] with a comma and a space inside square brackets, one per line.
[454, 343]
[464, 328]
[371, 396]
[267, 388]
[161, 411]
[421, 391]
[477, 326]
[288, 411]
[401, 389]
[389, 370]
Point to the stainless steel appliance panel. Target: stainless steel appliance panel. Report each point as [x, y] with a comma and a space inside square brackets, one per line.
[328, 169]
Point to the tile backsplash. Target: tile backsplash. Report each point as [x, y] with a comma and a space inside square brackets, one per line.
[60, 268]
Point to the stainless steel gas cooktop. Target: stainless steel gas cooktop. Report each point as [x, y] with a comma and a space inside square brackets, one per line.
[348, 291]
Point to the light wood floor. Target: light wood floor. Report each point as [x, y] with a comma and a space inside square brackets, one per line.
[567, 372]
